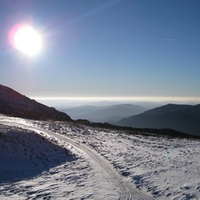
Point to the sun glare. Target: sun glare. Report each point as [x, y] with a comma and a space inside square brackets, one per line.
[24, 38]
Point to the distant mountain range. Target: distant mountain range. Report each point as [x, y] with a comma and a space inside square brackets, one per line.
[108, 114]
[183, 118]
[15, 104]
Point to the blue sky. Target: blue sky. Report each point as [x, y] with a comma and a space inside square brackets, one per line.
[103, 48]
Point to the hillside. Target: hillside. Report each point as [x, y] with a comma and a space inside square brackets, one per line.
[74, 163]
[29, 153]
[184, 118]
[15, 104]
[104, 113]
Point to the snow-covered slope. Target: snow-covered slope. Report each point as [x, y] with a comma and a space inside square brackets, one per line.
[162, 167]
[26, 154]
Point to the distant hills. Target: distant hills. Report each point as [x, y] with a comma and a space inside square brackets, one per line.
[15, 104]
[183, 118]
[108, 114]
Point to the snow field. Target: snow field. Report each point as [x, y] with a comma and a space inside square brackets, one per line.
[163, 167]
[166, 168]
[35, 166]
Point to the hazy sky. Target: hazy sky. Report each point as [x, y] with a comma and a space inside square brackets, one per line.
[105, 48]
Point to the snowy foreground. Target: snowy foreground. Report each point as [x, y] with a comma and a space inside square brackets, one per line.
[35, 165]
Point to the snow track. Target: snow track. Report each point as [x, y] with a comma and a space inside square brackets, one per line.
[126, 191]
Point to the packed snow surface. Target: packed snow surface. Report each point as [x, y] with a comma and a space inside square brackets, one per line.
[162, 167]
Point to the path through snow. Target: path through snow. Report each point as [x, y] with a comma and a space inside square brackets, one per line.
[162, 167]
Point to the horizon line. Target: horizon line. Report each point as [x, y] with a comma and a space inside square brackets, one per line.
[142, 98]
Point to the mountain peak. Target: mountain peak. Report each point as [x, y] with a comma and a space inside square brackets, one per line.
[183, 118]
[167, 108]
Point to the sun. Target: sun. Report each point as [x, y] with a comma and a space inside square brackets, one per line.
[26, 39]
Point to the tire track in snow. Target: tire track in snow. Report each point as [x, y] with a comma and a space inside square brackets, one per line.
[126, 191]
